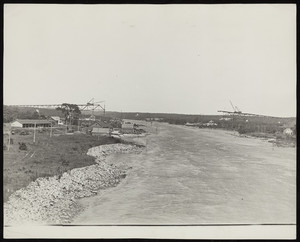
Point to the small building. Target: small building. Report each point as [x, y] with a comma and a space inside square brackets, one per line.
[127, 126]
[31, 123]
[101, 131]
[57, 120]
[101, 124]
[225, 119]
[92, 117]
[100, 128]
[210, 124]
[288, 132]
[154, 119]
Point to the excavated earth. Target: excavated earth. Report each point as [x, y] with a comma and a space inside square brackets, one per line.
[53, 200]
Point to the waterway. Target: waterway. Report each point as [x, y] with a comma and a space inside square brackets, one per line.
[199, 176]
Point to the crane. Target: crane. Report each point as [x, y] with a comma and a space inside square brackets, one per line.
[90, 105]
[237, 111]
[235, 108]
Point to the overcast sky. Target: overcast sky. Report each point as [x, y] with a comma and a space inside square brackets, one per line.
[153, 58]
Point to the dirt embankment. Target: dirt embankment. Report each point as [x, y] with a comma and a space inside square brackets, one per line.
[52, 200]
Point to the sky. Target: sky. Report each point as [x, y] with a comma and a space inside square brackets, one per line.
[190, 59]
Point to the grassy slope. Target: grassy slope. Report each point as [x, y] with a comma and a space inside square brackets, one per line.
[46, 157]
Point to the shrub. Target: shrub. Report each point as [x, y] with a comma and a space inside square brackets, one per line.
[60, 170]
[63, 161]
[280, 136]
[22, 146]
[24, 132]
[243, 130]
[271, 129]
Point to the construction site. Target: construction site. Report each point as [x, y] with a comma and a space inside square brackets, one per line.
[57, 119]
[46, 140]
[58, 153]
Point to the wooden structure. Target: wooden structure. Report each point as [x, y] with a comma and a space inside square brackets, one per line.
[30, 123]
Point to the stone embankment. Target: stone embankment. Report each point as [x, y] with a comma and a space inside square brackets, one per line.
[52, 200]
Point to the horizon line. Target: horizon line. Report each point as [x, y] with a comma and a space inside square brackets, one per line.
[147, 112]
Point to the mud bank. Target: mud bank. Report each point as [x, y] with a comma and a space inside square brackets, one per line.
[53, 200]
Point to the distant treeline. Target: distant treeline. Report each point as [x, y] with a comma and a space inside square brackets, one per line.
[270, 125]
[173, 118]
[243, 125]
[11, 113]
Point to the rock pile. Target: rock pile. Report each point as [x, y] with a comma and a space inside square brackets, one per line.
[100, 152]
[52, 200]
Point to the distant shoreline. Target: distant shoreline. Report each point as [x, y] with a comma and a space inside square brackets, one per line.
[256, 135]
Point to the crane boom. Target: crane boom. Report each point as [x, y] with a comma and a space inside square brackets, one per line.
[232, 106]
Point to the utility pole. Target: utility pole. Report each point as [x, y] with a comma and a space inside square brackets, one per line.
[34, 132]
[66, 125]
[8, 139]
[51, 130]
[104, 109]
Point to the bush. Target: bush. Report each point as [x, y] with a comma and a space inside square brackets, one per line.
[22, 146]
[244, 129]
[24, 132]
[63, 161]
[271, 129]
[280, 136]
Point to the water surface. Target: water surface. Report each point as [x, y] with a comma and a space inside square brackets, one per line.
[199, 176]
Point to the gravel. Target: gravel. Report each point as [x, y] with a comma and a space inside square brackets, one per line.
[53, 200]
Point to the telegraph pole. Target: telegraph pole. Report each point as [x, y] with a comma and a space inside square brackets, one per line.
[104, 109]
[66, 125]
[34, 132]
[51, 130]
[8, 140]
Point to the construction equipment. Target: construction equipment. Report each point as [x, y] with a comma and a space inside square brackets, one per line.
[235, 108]
[237, 112]
[90, 105]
